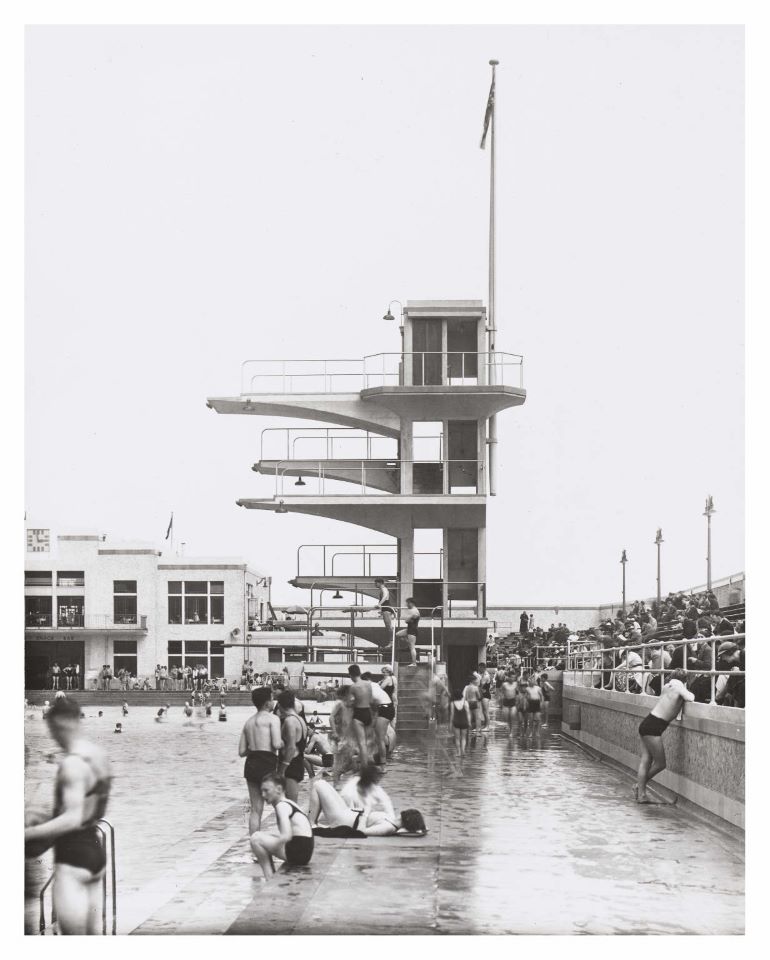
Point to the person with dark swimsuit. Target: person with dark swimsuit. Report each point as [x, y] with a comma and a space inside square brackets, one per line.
[340, 821]
[547, 689]
[460, 721]
[360, 699]
[534, 703]
[294, 842]
[485, 686]
[259, 744]
[508, 692]
[82, 792]
[653, 760]
[294, 736]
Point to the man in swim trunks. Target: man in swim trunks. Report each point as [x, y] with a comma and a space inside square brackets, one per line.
[472, 696]
[260, 743]
[534, 697]
[384, 606]
[294, 842]
[360, 699]
[508, 692]
[294, 735]
[383, 712]
[82, 792]
[485, 686]
[653, 760]
[409, 632]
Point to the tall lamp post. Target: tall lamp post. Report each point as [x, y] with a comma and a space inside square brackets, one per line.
[658, 541]
[707, 514]
[624, 561]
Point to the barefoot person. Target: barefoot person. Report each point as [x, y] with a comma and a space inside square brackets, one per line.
[409, 632]
[360, 698]
[508, 692]
[472, 696]
[82, 792]
[651, 729]
[384, 605]
[341, 734]
[338, 817]
[460, 721]
[485, 686]
[259, 744]
[294, 737]
[294, 842]
[363, 794]
[382, 713]
[534, 697]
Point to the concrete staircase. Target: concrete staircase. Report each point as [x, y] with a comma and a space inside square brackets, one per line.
[413, 714]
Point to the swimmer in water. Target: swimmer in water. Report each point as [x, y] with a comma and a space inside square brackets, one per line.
[222, 712]
[125, 709]
[100, 713]
[46, 708]
[82, 792]
[161, 715]
[187, 711]
[118, 727]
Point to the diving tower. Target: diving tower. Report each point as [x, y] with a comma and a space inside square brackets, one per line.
[407, 453]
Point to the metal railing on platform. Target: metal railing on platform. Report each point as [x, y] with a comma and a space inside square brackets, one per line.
[414, 368]
[429, 477]
[112, 874]
[334, 443]
[588, 658]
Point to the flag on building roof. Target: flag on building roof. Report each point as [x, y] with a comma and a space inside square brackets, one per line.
[170, 525]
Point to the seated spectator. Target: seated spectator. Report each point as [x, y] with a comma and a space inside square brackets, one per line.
[660, 660]
[713, 603]
[724, 628]
[689, 629]
[631, 660]
[730, 691]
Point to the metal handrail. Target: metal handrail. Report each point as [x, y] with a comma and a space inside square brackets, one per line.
[327, 434]
[103, 834]
[88, 621]
[283, 373]
[367, 467]
[659, 645]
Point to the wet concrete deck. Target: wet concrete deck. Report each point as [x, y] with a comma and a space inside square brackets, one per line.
[531, 837]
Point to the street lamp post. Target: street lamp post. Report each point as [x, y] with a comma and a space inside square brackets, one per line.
[658, 541]
[624, 561]
[707, 514]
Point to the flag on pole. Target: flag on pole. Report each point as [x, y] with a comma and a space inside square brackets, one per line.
[170, 525]
[490, 112]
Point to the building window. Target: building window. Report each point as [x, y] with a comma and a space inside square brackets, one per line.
[70, 578]
[197, 601]
[38, 611]
[124, 601]
[194, 653]
[69, 611]
[124, 656]
[274, 654]
[38, 578]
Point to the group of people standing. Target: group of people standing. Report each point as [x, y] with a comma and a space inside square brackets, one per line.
[522, 695]
[64, 678]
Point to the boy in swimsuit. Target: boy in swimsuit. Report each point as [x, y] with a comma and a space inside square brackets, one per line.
[259, 744]
[485, 686]
[653, 760]
[472, 696]
[360, 698]
[534, 697]
[294, 842]
[460, 721]
[508, 692]
[82, 792]
[547, 689]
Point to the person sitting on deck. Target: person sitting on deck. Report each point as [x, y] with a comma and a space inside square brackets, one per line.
[294, 842]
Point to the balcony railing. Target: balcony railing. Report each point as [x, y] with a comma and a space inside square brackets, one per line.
[416, 368]
[363, 560]
[328, 443]
[86, 621]
[429, 477]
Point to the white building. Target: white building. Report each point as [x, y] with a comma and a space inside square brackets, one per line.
[90, 601]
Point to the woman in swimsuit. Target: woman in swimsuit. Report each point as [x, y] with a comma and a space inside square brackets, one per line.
[485, 686]
[343, 822]
[461, 721]
[363, 794]
[294, 842]
[386, 610]
[82, 792]
[508, 692]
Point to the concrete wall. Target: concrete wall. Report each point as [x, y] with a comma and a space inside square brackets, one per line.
[704, 750]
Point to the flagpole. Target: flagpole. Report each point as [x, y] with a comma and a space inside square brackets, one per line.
[492, 318]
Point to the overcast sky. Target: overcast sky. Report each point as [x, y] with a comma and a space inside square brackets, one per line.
[197, 196]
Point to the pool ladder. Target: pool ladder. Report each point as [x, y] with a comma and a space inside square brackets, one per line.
[103, 826]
